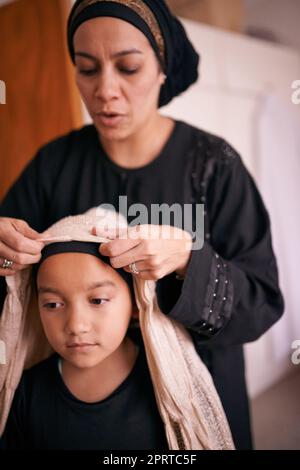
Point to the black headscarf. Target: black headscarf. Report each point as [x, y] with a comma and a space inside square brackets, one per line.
[90, 248]
[180, 62]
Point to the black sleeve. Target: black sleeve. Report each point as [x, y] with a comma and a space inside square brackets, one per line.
[230, 294]
[24, 201]
[14, 436]
[28, 197]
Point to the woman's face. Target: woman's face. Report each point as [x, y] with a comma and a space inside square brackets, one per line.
[85, 307]
[118, 76]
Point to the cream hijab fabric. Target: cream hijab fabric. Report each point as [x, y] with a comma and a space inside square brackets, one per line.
[186, 397]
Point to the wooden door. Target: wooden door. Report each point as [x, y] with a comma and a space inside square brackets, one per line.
[41, 97]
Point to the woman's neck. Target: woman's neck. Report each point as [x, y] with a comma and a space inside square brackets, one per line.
[97, 383]
[142, 147]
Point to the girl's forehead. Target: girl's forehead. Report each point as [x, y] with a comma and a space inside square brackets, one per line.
[65, 259]
[79, 269]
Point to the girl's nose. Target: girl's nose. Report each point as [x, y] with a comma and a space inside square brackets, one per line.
[77, 321]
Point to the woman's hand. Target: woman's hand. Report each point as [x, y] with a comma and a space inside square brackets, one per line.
[156, 250]
[19, 244]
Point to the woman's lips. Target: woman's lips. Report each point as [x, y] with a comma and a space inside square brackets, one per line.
[110, 119]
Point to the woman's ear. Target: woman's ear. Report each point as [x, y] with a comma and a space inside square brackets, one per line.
[162, 78]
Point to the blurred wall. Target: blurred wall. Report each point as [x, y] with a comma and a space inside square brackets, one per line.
[5, 2]
[278, 18]
[227, 14]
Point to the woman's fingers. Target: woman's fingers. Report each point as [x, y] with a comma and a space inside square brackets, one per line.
[124, 239]
[155, 250]
[19, 246]
[124, 252]
[147, 274]
[19, 237]
[18, 257]
[23, 227]
[11, 270]
[118, 248]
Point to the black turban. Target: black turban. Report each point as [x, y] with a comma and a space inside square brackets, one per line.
[179, 61]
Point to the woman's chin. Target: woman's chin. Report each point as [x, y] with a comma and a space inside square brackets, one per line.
[113, 134]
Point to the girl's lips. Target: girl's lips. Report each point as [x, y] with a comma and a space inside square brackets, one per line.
[81, 347]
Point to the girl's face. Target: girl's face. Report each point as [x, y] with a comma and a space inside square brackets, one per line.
[85, 307]
[118, 76]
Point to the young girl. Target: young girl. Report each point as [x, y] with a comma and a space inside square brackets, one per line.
[95, 391]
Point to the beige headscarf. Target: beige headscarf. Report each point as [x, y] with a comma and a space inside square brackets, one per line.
[186, 397]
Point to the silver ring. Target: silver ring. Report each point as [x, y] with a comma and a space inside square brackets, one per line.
[7, 264]
[133, 268]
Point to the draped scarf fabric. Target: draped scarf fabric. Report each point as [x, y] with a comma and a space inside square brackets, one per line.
[185, 394]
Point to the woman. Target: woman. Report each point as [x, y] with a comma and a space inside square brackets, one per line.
[131, 57]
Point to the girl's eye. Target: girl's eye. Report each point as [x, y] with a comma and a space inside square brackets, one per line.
[99, 301]
[52, 305]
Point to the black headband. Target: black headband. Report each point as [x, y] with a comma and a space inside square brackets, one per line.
[115, 10]
[179, 61]
[90, 248]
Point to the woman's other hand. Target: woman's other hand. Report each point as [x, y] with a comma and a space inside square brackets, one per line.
[18, 244]
[156, 250]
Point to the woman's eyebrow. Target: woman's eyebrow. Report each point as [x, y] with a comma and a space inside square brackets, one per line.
[116, 54]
